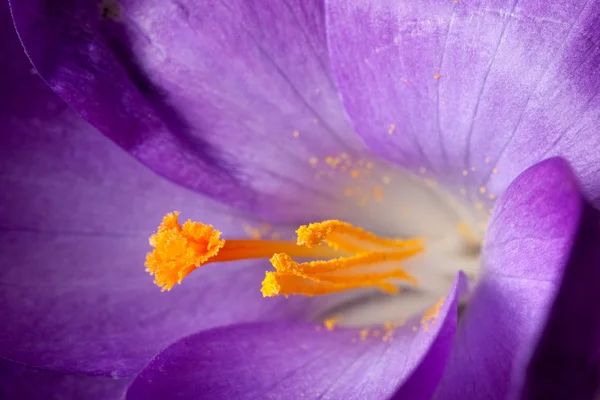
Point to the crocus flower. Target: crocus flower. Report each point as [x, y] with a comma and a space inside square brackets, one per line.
[480, 122]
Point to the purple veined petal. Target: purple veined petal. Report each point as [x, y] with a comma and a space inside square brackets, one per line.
[298, 360]
[566, 363]
[424, 379]
[232, 99]
[477, 90]
[76, 212]
[533, 230]
[18, 382]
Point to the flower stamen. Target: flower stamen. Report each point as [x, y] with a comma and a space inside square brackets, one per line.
[178, 250]
[375, 261]
[347, 257]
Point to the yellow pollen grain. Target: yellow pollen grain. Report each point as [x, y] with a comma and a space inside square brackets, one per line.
[473, 169]
[434, 311]
[495, 170]
[313, 161]
[437, 76]
[389, 328]
[254, 233]
[348, 192]
[296, 133]
[482, 190]
[354, 173]
[392, 129]
[430, 182]
[464, 229]
[330, 323]
[406, 81]
[386, 180]
[369, 165]
[276, 236]
[465, 172]
[431, 314]
[332, 161]
[487, 160]
[479, 206]
[364, 334]
[378, 193]
[344, 156]
[389, 325]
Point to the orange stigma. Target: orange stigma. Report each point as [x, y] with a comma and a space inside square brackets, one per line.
[352, 257]
[178, 250]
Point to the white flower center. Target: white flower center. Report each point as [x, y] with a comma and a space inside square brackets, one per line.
[414, 206]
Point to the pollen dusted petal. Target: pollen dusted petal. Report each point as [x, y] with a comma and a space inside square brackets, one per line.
[179, 250]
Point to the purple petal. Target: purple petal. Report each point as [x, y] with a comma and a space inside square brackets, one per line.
[18, 382]
[531, 233]
[209, 94]
[76, 213]
[566, 362]
[488, 87]
[294, 360]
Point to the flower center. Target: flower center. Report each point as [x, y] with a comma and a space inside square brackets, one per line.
[335, 257]
[347, 257]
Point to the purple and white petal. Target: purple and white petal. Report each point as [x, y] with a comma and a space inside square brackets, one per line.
[533, 232]
[566, 360]
[232, 99]
[298, 360]
[76, 213]
[475, 91]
